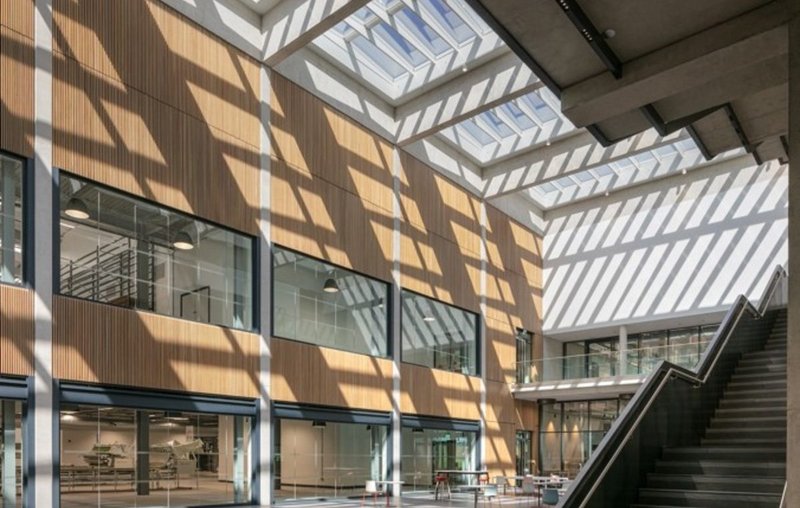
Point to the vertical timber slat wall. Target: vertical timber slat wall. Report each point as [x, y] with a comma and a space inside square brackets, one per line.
[16, 331]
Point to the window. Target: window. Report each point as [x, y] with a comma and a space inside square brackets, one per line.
[322, 304]
[10, 220]
[525, 465]
[323, 458]
[427, 450]
[439, 335]
[142, 457]
[524, 356]
[11, 452]
[121, 250]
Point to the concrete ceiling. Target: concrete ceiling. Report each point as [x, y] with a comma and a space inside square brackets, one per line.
[716, 67]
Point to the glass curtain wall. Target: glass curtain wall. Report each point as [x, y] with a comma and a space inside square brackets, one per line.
[11, 453]
[112, 456]
[570, 431]
[324, 459]
[328, 306]
[524, 356]
[681, 346]
[438, 335]
[525, 463]
[121, 250]
[425, 451]
[10, 220]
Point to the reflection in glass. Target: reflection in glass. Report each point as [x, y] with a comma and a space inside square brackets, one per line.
[439, 335]
[425, 451]
[11, 453]
[327, 459]
[123, 251]
[524, 341]
[141, 457]
[329, 306]
[525, 464]
[10, 220]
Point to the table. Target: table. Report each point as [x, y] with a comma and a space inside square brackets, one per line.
[476, 488]
[541, 481]
[389, 482]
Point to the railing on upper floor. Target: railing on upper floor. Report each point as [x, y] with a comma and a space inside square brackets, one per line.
[672, 408]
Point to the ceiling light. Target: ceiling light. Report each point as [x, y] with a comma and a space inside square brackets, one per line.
[547, 143]
[318, 424]
[464, 69]
[429, 319]
[330, 285]
[606, 193]
[609, 33]
[683, 171]
[183, 241]
[77, 209]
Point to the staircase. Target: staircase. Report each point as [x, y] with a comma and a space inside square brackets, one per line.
[741, 461]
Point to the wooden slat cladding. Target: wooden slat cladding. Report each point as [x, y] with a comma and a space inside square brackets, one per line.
[527, 415]
[511, 247]
[16, 330]
[315, 217]
[310, 374]
[155, 50]
[18, 16]
[16, 90]
[500, 445]
[501, 351]
[310, 136]
[98, 343]
[499, 402]
[118, 136]
[440, 393]
[434, 204]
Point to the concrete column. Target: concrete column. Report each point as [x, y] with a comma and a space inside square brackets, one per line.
[9, 454]
[623, 351]
[44, 451]
[265, 448]
[396, 330]
[793, 358]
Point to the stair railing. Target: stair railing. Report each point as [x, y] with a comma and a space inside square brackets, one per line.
[672, 408]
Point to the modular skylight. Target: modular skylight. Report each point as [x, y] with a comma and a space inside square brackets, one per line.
[679, 156]
[396, 47]
[514, 126]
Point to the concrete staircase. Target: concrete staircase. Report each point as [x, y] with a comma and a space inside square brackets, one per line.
[741, 461]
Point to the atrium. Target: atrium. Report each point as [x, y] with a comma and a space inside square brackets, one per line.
[408, 252]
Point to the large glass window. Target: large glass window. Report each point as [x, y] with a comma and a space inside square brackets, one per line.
[318, 458]
[524, 356]
[112, 456]
[11, 453]
[426, 451]
[322, 304]
[439, 335]
[525, 463]
[123, 251]
[10, 220]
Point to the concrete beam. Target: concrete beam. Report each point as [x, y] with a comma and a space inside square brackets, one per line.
[478, 90]
[570, 155]
[742, 42]
[292, 24]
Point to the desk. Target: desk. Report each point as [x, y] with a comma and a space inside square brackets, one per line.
[448, 472]
[386, 483]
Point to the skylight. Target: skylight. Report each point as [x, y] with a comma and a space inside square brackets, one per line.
[396, 47]
[514, 126]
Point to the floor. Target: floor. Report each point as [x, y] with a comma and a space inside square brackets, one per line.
[464, 500]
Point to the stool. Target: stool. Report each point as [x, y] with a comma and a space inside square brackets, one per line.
[442, 483]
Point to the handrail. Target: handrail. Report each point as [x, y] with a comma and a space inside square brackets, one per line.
[588, 483]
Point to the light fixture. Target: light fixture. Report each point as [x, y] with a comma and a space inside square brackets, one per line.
[318, 424]
[609, 33]
[330, 285]
[464, 68]
[416, 430]
[606, 193]
[429, 319]
[183, 241]
[77, 209]
[683, 171]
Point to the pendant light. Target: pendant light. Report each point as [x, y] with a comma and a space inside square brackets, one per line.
[183, 241]
[319, 424]
[330, 285]
[77, 209]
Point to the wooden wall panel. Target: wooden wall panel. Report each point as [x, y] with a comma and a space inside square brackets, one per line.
[153, 49]
[500, 445]
[118, 136]
[513, 247]
[310, 374]
[311, 137]
[501, 351]
[436, 267]
[18, 16]
[440, 393]
[16, 85]
[434, 204]
[16, 330]
[313, 216]
[99, 343]
[499, 402]
[527, 415]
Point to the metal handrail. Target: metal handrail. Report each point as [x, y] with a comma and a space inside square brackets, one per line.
[623, 429]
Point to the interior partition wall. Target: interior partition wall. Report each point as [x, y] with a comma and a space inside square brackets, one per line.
[125, 448]
[432, 444]
[324, 452]
[14, 437]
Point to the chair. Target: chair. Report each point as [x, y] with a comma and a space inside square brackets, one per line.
[441, 483]
[370, 489]
[489, 493]
[550, 496]
[528, 487]
[501, 481]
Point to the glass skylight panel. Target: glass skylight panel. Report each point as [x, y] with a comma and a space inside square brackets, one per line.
[378, 57]
[544, 112]
[603, 170]
[403, 47]
[522, 120]
[546, 188]
[452, 21]
[497, 124]
[480, 136]
[663, 152]
[566, 182]
[584, 176]
[423, 31]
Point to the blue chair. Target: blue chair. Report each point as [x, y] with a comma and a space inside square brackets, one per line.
[489, 493]
[550, 496]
